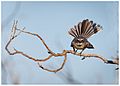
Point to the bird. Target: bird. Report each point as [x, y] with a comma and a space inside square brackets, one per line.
[81, 32]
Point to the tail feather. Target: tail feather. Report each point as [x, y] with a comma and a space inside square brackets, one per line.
[74, 32]
[79, 27]
[94, 30]
[91, 32]
[97, 28]
[88, 32]
[85, 28]
[88, 28]
[77, 30]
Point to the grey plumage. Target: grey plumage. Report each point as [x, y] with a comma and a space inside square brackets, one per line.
[81, 32]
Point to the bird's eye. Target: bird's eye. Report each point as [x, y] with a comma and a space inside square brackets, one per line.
[80, 40]
[77, 41]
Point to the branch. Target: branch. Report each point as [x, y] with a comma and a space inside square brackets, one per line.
[14, 34]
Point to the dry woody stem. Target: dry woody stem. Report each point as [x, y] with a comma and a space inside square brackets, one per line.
[15, 32]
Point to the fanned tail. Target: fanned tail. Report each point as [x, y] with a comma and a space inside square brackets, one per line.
[76, 31]
[85, 28]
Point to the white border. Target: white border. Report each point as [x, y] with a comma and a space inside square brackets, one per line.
[57, 0]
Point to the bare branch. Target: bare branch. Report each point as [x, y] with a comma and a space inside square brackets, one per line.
[56, 70]
[34, 34]
[51, 53]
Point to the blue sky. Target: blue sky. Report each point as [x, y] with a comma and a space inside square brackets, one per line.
[52, 21]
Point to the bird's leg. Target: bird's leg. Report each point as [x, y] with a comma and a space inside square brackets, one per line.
[81, 53]
[74, 50]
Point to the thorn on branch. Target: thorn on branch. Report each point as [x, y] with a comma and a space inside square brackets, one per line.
[83, 58]
[14, 49]
[40, 66]
[110, 62]
[116, 68]
[49, 52]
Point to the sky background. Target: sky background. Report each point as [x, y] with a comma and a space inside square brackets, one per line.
[52, 21]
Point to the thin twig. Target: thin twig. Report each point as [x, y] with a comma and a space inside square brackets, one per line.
[56, 70]
[34, 34]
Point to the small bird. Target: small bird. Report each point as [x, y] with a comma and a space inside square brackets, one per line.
[81, 32]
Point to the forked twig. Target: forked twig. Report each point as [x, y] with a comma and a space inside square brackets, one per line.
[51, 53]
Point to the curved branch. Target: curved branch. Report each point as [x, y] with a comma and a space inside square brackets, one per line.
[32, 58]
[51, 53]
[34, 34]
[116, 61]
[55, 70]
